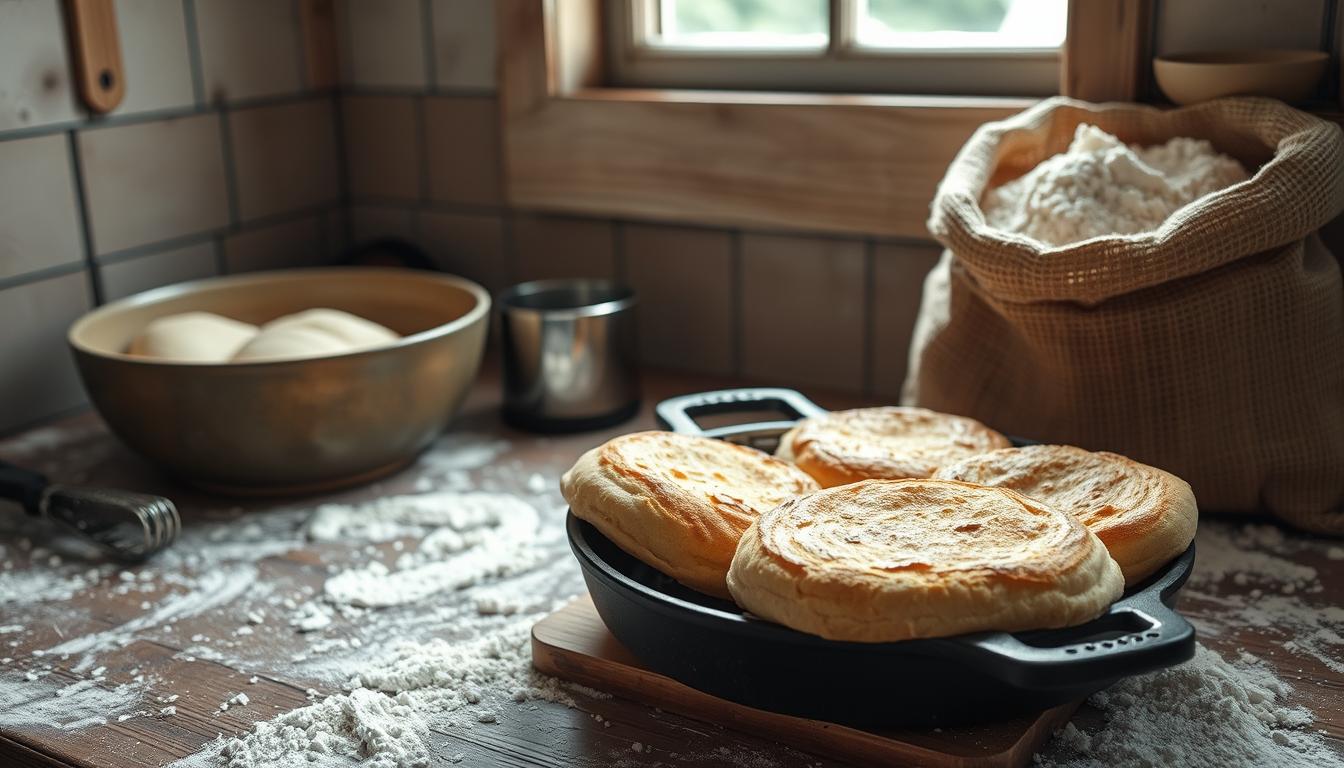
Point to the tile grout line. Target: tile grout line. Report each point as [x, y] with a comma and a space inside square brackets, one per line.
[154, 115]
[196, 238]
[344, 196]
[487, 208]
[345, 78]
[230, 171]
[511, 265]
[194, 52]
[422, 148]
[431, 52]
[44, 273]
[1330, 43]
[451, 92]
[221, 263]
[300, 46]
[1146, 86]
[85, 220]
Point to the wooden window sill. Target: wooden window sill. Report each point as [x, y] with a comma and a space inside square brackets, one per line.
[853, 164]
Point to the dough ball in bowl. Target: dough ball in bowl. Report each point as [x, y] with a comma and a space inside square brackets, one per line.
[314, 333]
[197, 337]
[296, 424]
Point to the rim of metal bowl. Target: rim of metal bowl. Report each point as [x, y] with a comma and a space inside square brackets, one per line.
[156, 295]
[623, 297]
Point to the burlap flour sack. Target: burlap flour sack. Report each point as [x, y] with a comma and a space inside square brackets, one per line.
[1213, 347]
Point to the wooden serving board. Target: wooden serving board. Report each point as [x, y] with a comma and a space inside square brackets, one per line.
[574, 644]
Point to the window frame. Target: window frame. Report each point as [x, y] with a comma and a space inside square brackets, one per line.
[843, 66]
[842, 163]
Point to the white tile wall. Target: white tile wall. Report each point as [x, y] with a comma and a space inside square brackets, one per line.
[546, 247]
[462, 135]
[464, 43]
[470, 245]
[141, 273]
[284, 157]
[39, 223]
[381, 146]
[35, 82]
[147, 182]
[39, 376]
[154, 55]
[376, 222]
[289, 244]
[383, 43]
[249, 48]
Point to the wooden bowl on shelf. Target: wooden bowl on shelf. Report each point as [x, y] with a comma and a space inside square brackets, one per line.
[1287, 75]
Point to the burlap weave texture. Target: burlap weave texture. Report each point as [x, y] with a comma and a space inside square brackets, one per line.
[1212, 347]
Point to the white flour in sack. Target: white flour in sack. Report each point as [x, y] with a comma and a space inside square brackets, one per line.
[1100, 186]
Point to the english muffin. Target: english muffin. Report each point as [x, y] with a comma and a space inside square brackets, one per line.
[888, 443]
[887, 560]
[679, 503]
[1143, 515]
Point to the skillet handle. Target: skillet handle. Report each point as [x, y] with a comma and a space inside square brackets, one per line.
[678, 413]
[1140, 632]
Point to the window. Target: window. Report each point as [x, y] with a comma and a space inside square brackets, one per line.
[963, 47]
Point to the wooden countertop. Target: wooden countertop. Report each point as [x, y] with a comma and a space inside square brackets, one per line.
[198, 656]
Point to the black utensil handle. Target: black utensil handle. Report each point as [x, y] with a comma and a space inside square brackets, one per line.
[22, 485]
[678, 413]
[1140, 631]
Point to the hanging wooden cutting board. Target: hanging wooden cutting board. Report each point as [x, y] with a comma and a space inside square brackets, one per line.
[97, 53]
[574, 644]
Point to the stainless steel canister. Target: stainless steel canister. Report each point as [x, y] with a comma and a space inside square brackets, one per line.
[569, 354]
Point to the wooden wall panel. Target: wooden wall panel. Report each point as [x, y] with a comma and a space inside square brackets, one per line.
[849, 164]
[1107, 51]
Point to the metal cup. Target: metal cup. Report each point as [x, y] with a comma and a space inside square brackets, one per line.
[569, 354]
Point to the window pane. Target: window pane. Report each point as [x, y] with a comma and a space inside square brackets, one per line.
[744, 23]
[962, 23]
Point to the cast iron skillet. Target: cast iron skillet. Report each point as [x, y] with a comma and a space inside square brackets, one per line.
[713, 645]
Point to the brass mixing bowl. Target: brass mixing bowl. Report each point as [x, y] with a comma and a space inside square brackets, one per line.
[291, 426]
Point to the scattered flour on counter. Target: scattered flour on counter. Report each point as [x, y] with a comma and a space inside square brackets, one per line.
[1250, 554]
[1285, 598]
[210, 591]
[1101, 186]
[479, 536]
[41, 584]
[311, 617]
[383, 718]
[538, 484]
[236, 700]
[47, 439]
[1206, 713]
[394, 517]
[1211, 713]
[393, 694]
[462, 451]
[25, 703]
